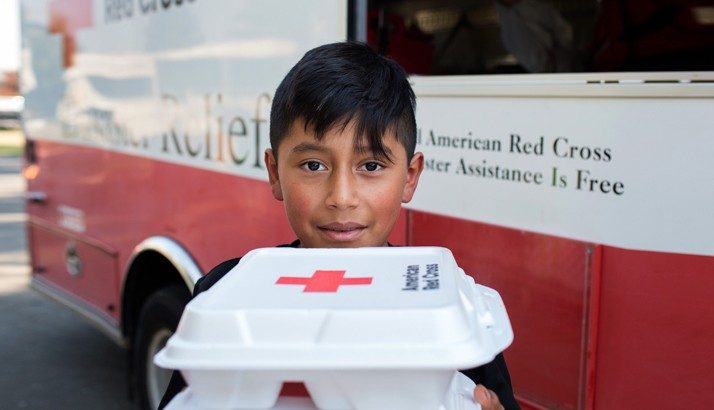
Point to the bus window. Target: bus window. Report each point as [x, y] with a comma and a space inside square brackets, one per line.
[434, 37]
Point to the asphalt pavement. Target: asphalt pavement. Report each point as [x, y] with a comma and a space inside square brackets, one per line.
[50, 357]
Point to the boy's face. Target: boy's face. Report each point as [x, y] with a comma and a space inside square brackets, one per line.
[336, 196]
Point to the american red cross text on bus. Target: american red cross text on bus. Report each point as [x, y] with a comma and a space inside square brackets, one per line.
[323, 281]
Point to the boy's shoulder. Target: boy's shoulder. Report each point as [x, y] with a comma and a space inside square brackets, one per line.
[215, 274]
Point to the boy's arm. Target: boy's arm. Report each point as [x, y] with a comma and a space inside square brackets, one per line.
[175, 386]
[177, 383]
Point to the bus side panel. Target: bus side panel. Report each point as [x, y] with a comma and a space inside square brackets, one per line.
[214, 216]
[115, 200]
[542, 281]
[76, 267]
[656, 330]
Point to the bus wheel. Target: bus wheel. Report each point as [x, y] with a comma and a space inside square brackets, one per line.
[158, 320]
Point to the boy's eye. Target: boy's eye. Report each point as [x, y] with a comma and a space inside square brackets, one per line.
[313, 166]
[372, 166]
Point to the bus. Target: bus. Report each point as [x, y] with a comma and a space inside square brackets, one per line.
[568, 150]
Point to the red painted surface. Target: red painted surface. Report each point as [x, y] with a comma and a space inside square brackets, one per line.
[593, 326]
[323, 281]
[294, 389]
[656, 334]
[205, 211]
[95, 282]
[542, 281]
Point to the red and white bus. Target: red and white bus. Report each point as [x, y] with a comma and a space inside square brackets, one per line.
[569, 155]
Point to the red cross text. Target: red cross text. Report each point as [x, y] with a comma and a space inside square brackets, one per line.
[323, 281]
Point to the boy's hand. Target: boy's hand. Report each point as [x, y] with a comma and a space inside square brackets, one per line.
[486, 398]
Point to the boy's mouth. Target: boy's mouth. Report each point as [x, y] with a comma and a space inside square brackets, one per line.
[338, 231]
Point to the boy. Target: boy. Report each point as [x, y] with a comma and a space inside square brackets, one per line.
[342, 161]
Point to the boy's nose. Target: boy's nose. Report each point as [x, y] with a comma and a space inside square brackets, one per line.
[343, 191]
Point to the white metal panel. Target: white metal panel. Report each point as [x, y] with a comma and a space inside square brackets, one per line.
[189, 84]
[659, 149]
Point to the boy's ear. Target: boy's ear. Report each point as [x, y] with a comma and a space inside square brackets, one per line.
[271, 164]
[416, 165]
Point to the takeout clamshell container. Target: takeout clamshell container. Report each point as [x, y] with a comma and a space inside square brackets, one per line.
[458, 397]
[363, 329]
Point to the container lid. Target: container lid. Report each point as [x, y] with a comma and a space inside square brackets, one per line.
[362, 308]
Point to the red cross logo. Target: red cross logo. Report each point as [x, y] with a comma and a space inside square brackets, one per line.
[323, 281]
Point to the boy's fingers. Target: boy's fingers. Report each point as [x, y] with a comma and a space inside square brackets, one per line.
[486, 398]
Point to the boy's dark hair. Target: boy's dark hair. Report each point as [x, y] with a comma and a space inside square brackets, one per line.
[337, 83]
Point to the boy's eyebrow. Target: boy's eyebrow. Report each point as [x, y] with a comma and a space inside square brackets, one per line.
[308, 146]
[311, 146]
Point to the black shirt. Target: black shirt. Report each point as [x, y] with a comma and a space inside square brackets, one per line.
[493, 375]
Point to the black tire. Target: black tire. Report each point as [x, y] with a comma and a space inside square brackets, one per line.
[158, 320]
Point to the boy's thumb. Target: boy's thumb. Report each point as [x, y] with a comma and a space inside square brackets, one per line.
[482, 396]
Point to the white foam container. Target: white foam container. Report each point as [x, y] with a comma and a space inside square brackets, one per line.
[390, 339]
[458, 397]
